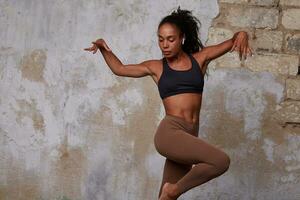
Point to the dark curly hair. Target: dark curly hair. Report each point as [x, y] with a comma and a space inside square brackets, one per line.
[187, 24]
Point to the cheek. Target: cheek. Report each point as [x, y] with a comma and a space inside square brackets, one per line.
[175, 45]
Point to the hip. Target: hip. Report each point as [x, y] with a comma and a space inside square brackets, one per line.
[171, 123]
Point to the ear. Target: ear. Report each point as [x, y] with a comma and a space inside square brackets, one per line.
[183, 38]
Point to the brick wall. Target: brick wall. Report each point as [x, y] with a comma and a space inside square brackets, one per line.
[274, 30]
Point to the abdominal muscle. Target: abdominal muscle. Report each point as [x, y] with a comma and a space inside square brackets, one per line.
[184, 105]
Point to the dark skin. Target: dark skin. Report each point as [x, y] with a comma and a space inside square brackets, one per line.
[185, 105]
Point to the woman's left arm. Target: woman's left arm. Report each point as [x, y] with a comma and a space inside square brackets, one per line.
[239, 43]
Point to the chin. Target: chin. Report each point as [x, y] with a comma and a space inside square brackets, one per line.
[167, 55]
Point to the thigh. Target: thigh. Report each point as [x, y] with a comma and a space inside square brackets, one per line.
[184, 148]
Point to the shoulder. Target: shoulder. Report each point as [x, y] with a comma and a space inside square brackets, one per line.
[155, 67]
[152, 64]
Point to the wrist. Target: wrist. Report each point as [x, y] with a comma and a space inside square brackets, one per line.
[234, 36]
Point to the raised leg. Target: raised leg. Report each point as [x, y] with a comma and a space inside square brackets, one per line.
[173, 171]
[186, 149]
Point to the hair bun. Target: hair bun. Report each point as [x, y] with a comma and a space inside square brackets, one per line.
[188, 26]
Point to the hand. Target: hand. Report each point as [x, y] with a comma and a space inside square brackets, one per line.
[241, 45]
[100, 43]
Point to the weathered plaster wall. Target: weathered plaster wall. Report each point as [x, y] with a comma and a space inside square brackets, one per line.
[70, 128]
[251, 107]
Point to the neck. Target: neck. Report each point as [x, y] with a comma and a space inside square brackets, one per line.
[177, 57]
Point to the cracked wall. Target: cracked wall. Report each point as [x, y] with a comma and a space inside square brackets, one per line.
[71, 129]
[251, 107]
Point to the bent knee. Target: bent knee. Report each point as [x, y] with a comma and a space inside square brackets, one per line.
[223, 164]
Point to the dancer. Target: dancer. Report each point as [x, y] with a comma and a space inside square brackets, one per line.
[179, 76]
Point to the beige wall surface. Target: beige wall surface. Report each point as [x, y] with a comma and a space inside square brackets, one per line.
[72, 130]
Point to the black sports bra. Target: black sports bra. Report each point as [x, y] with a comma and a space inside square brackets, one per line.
[173, 81]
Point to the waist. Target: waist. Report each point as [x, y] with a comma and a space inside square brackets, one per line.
[187, 104]
[189, 121]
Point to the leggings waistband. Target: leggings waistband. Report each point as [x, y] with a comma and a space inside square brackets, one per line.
[188, 125]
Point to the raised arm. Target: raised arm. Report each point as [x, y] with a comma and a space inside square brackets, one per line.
[239, 42]
[116, 66]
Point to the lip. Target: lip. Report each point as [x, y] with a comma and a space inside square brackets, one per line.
[166, 52]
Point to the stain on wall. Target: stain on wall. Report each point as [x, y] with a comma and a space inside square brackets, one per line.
[32, 65]
[71, 129]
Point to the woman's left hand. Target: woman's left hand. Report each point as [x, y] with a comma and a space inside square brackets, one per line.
[241, 45]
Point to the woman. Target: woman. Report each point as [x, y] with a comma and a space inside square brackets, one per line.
[179, 75]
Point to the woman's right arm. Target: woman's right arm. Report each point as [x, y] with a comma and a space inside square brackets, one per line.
[116, 66]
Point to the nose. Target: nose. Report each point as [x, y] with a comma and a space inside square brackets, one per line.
[165, 44]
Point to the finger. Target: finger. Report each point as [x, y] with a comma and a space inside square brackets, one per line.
[88, 49]
[240, 52]
[240, 55]
[250, 51]
[245, 53]
[95, 51]
[236, 49]
[94, 47]
[95, 44]
[233, 46]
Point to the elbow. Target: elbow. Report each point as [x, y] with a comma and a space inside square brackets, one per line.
[115, 72]
[118, 70]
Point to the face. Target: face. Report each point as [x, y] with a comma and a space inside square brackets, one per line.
[169, 39]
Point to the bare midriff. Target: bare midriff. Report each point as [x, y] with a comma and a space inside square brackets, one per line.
[184, 105]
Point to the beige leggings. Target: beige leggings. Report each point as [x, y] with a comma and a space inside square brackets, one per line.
[190, 161]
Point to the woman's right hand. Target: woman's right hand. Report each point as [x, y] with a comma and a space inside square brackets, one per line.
[100, 43]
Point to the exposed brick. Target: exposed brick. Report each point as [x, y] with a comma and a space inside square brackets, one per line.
[233, 1]
[263, 2]
[293, 43]
[289, 3]
[256, 17]
[228, 60]
[290, 18]
[218, 35]
[293, 88]
[252, 2]
[269, 40]
[283, 64]
[288, 112]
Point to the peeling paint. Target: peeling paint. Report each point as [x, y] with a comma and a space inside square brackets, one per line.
[71, 129]
[242, 101]
[32, 65]
[269, 149]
